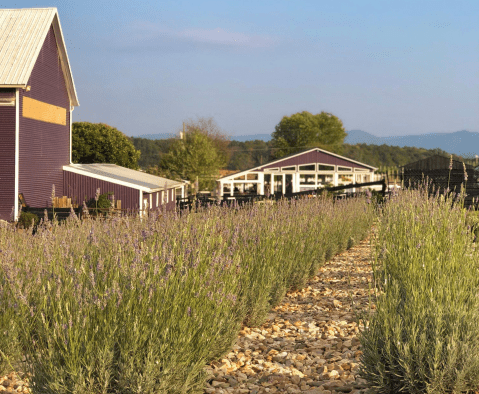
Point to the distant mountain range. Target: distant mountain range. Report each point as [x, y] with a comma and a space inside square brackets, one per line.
[463, 143]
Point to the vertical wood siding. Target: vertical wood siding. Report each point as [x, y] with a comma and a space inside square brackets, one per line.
[82, 188]
[170, 206]
[44, 147]
[7, 156]
[314, 157]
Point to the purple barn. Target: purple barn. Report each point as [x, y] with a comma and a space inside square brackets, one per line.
[37, 97]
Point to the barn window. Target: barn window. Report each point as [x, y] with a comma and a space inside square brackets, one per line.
[323, 179]
[292, 168]
[361, 170]
[308, 167]
[345, 169]
[252, 177]
[7, 102]
[240, 178]
[324, 167]
[227, 188]
[307, 179]
[346, 178]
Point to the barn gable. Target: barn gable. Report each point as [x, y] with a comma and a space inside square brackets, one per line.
[22, 36]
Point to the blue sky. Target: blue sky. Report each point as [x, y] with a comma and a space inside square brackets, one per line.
[385, 67]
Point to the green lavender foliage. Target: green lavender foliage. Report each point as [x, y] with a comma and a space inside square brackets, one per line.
[424, 334]
[141, 305]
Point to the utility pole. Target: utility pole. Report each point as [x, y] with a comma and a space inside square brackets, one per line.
[182, 133]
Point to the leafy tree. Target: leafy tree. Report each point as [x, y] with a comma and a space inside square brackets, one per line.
[208, 127]
[304, 130]
[151, 150]
[196, 155]
[248, 154]
[100, 143]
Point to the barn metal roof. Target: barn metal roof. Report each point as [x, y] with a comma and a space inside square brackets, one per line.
[123, 176]
[22, 34]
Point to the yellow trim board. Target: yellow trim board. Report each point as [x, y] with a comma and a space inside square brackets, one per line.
[44, 112]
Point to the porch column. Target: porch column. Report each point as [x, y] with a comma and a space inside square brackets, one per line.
[260, 186]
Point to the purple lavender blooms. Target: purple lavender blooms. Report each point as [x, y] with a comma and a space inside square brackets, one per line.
[92, 288]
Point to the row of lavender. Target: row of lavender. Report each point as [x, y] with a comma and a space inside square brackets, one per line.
[424, 334]
[134, 305]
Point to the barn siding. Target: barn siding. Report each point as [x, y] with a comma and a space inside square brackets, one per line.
[82, 188]
[44, 147]
[7, 156]
[314, 157]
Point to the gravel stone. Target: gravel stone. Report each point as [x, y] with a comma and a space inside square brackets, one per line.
[309, 343]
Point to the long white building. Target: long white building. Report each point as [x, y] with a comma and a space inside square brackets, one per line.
[302, 171]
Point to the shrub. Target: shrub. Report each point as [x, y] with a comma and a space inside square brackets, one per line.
[100, 203]
[27, 219]
[424, 335]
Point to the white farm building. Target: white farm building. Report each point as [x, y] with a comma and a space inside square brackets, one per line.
[308, 170]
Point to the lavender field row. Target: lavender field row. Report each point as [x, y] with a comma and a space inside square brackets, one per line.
[132, 305]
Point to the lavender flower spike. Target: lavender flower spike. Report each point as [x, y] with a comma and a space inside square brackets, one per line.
[53, 194]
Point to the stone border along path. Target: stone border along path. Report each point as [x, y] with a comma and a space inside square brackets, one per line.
[309, 343]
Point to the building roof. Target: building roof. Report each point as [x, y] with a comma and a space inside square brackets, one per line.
[258, 168]
[22, 34]
[123, 176]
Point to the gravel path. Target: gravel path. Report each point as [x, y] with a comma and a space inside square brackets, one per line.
[309, 343]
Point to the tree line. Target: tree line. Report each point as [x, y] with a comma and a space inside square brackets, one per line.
[248, 154]
[202, 148]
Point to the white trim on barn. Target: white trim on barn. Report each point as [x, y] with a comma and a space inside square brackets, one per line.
[297, 174]
[17, 151]
[71, 133]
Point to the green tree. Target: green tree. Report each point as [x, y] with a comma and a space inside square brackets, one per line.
[208, 127]
[196, 155]
[100, 143]
[304, 130]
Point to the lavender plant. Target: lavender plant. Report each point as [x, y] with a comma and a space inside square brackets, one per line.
[424, 335]
[141, 305]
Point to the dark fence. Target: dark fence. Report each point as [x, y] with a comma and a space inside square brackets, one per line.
[442, 180]
[205, 200]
